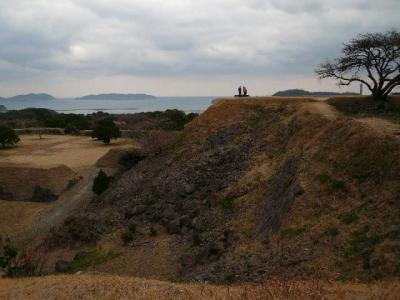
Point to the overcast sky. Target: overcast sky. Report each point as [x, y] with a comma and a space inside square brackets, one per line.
[177, 47]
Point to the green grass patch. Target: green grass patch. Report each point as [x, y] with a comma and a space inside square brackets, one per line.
[92, 258]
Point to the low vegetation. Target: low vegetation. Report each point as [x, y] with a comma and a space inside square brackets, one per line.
[14, 264]
[105, 130]
[8, 137]
[101, 182]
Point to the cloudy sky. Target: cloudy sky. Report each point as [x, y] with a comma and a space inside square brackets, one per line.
[177, 47]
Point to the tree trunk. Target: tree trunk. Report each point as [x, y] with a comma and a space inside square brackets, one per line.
[379, 96]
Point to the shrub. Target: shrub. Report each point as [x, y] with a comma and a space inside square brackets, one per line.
[13, 264]
[43, 195]
[227, 203]
[153, 231]
[101, 182]
[130, 159]
[71, 129]
[8, 137]
[129, 234]
[105, 130]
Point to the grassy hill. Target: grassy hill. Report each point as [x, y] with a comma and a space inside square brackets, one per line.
[251, 190]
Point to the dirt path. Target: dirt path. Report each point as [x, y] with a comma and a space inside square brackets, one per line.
[75, 198]
[378, 124]
[323, 108]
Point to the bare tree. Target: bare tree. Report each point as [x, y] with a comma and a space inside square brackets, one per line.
[372, 59]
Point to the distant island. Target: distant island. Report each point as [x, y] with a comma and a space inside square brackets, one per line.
[117, 97]
[302, 93]
[30, 97]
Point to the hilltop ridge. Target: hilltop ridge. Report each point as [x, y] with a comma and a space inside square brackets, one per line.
[251, 190]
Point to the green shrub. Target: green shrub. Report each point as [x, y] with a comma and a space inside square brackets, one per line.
[101, 182]
[348, 218]
[130, 159]
[8, 136]
[153, 231]
[105, 130]
[227, 203]
[13, 264]
[127, 236]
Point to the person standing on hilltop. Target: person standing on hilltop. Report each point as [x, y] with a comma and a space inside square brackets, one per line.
[244, 91]
[240, 91]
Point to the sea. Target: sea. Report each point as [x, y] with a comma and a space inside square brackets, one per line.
[68, 105]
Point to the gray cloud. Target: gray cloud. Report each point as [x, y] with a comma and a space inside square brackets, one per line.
[160, 38]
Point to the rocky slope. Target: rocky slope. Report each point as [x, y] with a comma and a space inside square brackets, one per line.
[252, 190]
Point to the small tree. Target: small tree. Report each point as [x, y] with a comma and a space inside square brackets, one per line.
[106, 130]
[8, 136]
[101, 182]
[372, 59]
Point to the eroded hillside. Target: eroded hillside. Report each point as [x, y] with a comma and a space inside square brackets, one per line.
[251, 190]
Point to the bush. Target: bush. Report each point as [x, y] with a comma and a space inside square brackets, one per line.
[130, 159]
[101, 182]
[43, 195]
[227, 203]
[13, 264]
[71, 129]
[129, 234]
[105, 130]
[8, 137]
[153, 231]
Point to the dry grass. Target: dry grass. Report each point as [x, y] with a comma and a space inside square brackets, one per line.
[76, 152]
[116, 287]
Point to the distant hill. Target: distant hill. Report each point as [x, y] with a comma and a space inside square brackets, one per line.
[31, 97]
[116, 97]
[302, 93]
[3, 108]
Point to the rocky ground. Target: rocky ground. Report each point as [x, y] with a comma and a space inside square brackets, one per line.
[253, 190]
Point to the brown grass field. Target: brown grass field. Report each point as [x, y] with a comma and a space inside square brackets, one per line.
[99, 286]
[76, 152]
